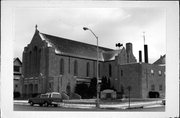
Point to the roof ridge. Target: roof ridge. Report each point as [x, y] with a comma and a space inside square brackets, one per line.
[77, 41]
[17, 58]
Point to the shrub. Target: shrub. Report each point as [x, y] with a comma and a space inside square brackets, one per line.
[64, 96]
[75, 96]
[17, 94]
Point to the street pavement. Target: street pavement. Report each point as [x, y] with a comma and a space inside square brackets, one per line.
[89, 104]
[51, 108]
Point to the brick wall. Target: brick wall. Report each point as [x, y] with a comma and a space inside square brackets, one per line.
[129, 75]
[140, 77]
[151, 76]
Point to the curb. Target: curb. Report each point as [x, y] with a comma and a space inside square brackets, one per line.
[91, 105]
[137, 107]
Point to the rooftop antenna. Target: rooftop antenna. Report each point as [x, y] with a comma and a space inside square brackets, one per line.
[144, 37]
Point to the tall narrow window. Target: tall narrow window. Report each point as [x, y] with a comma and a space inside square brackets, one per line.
[121, 72]
[88, 69]
[25, 91]
[75, 68]
[160, 87]
[50, 85]
[35, 55]
[62, 66]
[99, 70]
[110, 70]
[35, 60]
[152, 72]
[160, 72]
[94, 68]
[30, 63]
[153, 87]
[39, 61]
[36, 88]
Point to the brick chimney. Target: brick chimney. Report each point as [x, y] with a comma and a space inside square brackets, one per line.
[140, 56]
[146, 53]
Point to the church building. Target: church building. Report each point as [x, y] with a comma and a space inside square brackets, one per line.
[56, 64]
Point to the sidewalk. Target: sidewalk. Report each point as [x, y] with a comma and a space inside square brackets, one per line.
[90, 104]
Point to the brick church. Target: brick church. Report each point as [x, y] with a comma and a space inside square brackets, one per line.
[56, 64]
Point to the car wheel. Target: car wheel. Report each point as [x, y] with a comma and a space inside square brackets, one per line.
[46, 104]
[41, 105]
[31, 103]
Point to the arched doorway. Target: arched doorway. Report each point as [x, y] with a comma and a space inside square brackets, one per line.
[153, 94]
[68, 89]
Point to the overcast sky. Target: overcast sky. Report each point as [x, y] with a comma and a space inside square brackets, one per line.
[111, 25]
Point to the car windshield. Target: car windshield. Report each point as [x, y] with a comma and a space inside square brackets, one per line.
[44, 96]
[56, 96]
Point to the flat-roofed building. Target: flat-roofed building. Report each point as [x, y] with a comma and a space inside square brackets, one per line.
[145, 80]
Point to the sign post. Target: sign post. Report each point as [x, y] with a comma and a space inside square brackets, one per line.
[129, 89]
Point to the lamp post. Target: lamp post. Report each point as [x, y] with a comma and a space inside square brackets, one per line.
[97, 86]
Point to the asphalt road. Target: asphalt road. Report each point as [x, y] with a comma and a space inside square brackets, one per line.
[19, 107]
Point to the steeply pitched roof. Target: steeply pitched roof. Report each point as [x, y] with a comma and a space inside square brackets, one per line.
[161, 60]
[110, 55]
[75, 48]
[17, 59]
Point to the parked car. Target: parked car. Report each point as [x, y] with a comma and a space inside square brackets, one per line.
[48, 99]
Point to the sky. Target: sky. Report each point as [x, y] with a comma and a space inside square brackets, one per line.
[111, 25]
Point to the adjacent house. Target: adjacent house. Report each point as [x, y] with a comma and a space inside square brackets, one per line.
[17, 76]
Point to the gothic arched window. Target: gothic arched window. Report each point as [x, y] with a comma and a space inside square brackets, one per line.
[30, 63]
[99, 70]
[39, 61]
[35, 60]
[75, 68]
[62, 66]
[110, 70]
[87, 69]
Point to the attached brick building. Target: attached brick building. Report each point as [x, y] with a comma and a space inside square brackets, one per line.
[53, 63]
[145, 80]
